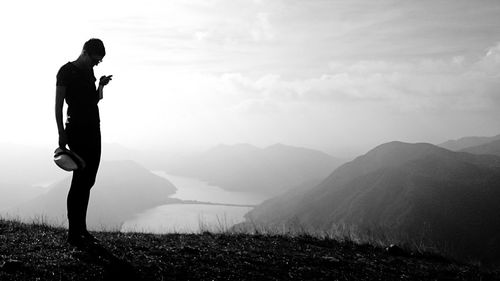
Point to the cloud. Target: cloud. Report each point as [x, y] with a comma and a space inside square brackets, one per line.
[262, 30]
[457, 84]
[490, 63]
[235, 30]
[257, 107]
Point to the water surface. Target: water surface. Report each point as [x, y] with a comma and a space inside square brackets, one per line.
[193, 189]
[194, 218]
[186, 218]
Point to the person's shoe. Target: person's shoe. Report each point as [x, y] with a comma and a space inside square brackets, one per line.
[76, 241]
[90, 238]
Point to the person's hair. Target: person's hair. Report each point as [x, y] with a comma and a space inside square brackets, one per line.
[94, 47]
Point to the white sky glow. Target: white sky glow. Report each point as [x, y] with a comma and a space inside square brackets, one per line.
[339, 76]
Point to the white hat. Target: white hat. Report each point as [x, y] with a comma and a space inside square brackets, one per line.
[68, 160]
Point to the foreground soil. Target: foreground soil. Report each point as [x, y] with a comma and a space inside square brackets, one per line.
[39, 252]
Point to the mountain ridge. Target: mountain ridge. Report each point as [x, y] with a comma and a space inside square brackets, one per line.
[465, 142]
[271, 170]
[408, 188]
[487, 148]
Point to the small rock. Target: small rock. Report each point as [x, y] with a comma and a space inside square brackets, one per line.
[331, 259]
[395, 250]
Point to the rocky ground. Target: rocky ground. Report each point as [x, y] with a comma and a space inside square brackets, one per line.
[39, 252]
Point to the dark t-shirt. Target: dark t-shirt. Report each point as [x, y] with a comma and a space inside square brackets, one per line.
[81, 94]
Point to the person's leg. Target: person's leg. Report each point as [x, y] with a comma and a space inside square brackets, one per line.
[78, 195]
[74, 205]
[87, 144]
[94, 157]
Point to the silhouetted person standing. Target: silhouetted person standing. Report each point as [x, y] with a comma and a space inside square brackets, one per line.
[76, 85]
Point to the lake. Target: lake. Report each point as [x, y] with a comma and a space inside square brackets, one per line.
[189, 218]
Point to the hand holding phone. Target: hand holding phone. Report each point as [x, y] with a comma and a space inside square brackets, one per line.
[104, 80]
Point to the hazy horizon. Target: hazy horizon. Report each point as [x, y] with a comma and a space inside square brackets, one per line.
[336, 76]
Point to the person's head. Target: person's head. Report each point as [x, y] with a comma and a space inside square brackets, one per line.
[94, 51]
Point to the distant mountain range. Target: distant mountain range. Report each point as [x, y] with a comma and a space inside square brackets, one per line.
[123, 189]
[467, 142]
[34, 165]
[272, 170]
[14, 194]
[487, 148]
[25, 165]
[413, 190]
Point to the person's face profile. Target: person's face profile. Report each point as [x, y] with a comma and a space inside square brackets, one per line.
[95, 59]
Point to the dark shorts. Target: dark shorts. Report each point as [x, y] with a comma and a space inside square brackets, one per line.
[85, 141]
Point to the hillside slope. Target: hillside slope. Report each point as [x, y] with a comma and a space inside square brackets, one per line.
[122, 189]
[38, 252]
[14, 194]
[418, 191]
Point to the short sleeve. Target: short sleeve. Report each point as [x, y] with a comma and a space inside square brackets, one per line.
[63, 76]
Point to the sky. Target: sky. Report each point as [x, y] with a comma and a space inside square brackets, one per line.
[338, 76]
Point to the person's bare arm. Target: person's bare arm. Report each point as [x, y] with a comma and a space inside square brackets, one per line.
[103, 82]
[60, 95]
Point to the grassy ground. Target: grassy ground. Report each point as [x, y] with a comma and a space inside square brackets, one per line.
[39, 252]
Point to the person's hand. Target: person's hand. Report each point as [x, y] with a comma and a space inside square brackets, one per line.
[63, 139]
[104, 80]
